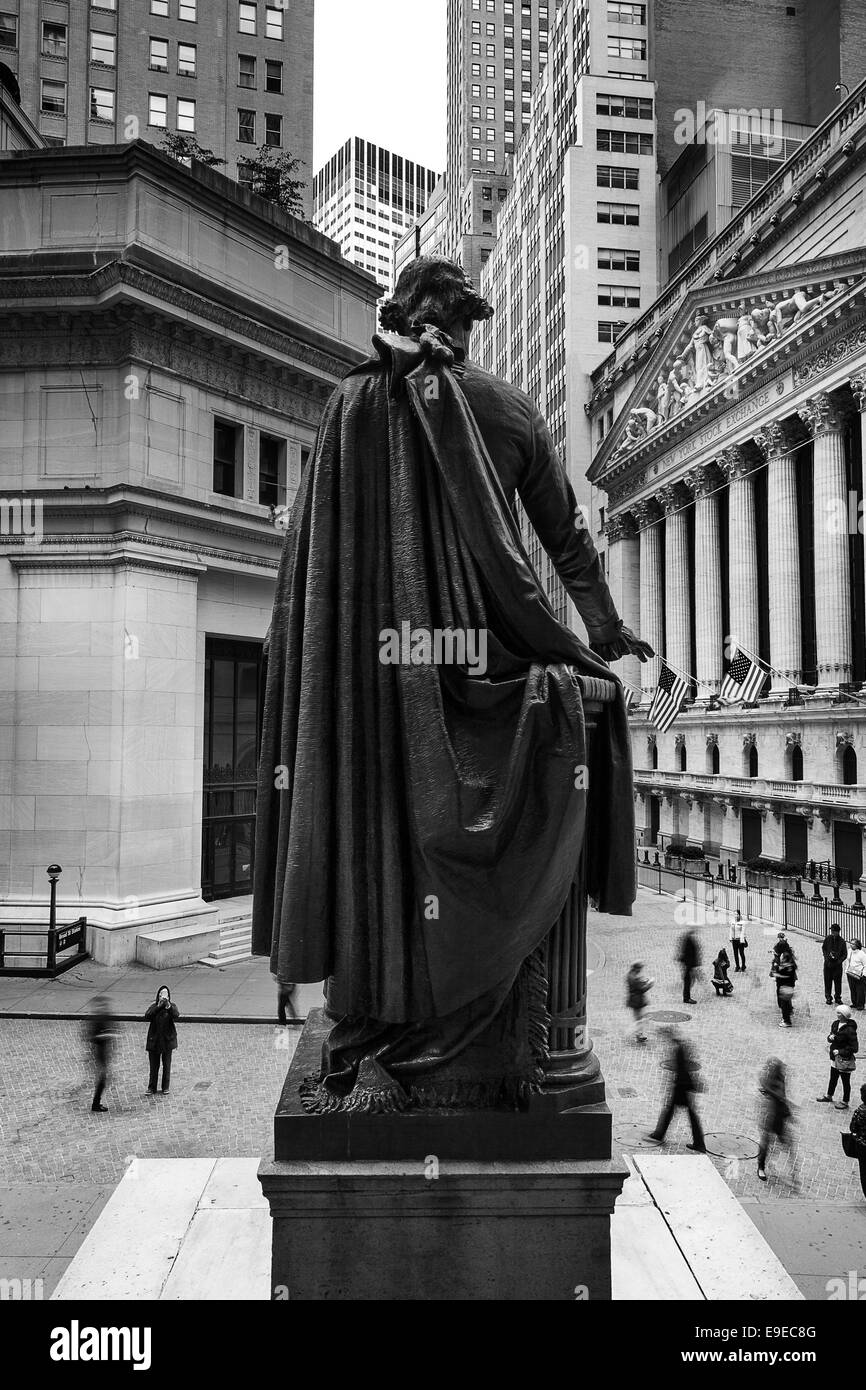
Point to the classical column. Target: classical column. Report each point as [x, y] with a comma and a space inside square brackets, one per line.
[652, 615]
[674, 500]
[858, 387]
[832, 572]
[623, 577]
[742, 548]
[786, 638]
[709, 638]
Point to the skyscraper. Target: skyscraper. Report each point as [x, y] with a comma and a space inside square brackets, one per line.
[235, 74]
[365, 197]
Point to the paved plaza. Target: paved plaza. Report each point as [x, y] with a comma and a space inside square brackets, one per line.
[60, 1162]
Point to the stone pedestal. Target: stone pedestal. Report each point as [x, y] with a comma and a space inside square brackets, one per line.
[429, 1230]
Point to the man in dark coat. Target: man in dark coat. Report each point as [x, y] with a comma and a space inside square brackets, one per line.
[835, 951]
[162, 1016]
[689, 957]
[684, 1070]
[420, 820]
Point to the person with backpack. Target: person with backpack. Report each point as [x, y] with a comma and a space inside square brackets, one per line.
[844, 1046]
[637, 987]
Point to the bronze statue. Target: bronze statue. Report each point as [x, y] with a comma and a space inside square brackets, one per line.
[420, 818]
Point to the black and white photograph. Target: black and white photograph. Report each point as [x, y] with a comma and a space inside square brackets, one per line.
[432, 671]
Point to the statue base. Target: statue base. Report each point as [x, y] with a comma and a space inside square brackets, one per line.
[428, 1205]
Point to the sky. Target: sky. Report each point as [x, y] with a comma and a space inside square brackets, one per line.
[380, 74]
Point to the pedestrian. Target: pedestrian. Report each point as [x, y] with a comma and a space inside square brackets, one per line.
[685, 1082]
[858, 1129]
[689, 958]
[285, 1000]
[161, 1037]
[775, 1117]
[721, 965]
[855, 969]
[739, 943]
[779, 945]
[835, 951]
[101, 1037]
[786, 980]
[637, 986]
[844, 1046]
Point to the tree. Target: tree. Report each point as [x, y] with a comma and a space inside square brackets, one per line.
[186, 147]
[271, 174]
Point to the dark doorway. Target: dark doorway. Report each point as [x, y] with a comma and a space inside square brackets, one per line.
[849, 766]
[752, 840]
[848, 847]
[796, 840]
[654, 809]
[231, 703]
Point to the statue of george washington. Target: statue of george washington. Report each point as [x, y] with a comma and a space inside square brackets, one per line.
[421, 811]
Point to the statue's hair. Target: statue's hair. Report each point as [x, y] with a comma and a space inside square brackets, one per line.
[432, 292]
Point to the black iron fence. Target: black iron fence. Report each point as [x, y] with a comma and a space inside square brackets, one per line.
[56, 949]
[796, 911]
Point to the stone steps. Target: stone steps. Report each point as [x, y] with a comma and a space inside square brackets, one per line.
[235, 943]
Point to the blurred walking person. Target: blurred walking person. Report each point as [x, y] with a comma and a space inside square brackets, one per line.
[834, 949]
[739, 943]
[858, 1129]
[775, 1117]
[855, 969]
[683, 1066]
[161, 1037]
[100, 1035]
[844, 1046]
[637, 987]
[689, 957]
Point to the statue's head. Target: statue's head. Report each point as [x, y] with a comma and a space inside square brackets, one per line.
[433, 290]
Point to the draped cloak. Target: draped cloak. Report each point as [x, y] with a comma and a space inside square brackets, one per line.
[419, 825]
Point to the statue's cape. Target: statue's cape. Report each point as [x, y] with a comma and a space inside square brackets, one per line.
[418, 826]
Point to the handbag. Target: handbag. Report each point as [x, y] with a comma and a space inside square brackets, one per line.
[843, 1063]
[849, 1144]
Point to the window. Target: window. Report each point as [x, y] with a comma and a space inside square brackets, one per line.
[634, 108]
[103, 49]
[618, 214]
[8, 31]
[476, 156]
[475, 133]
[246, 19]
[849, 766]
[476, 69]
[185, 114]
[186, 10]
[273, 130]
[490, 70]
[753, 761]
[476, 26]
[491, 156]
[101, 104]
[684, 759]
[491, 135]
[159, 7]
[476, 113]
[487, 215]
[627, 48]
[623, 142]
[626, 14]
[273, 75]
[610, 176]
[54, 98]
[476, 50]
[503, 194]
[227, 456]
[491, 113]
[246, 70]
[272, 471]
[247, 127]
[796, 763]
[157, 110]
[159, 55]
[273, 22]
[608, 332]
[487, 195]
[611, 258]
[715, 760]
[490, 50]
[619, 296]
[53, 40]
[491, 93]
[186, 55]
[476, 90]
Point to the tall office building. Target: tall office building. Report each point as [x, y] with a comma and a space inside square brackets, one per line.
[496, 51]
[236, 74]
[365, 197]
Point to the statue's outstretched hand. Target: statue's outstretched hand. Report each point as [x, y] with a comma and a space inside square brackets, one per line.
[626, 643]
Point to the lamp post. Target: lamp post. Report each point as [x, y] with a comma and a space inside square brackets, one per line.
[53, 871]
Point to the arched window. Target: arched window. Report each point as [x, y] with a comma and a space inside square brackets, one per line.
[796, 764]
[715, 758]
[753, 761]
[684, 759]
[849, 766]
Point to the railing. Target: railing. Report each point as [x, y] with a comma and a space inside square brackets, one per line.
[720, 783]
[787, 911]
[60, 949]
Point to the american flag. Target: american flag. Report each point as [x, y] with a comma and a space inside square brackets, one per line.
[743, 681]
[632, 696]
[667, 701]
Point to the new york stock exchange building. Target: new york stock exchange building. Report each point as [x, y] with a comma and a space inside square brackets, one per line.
[729, 429]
